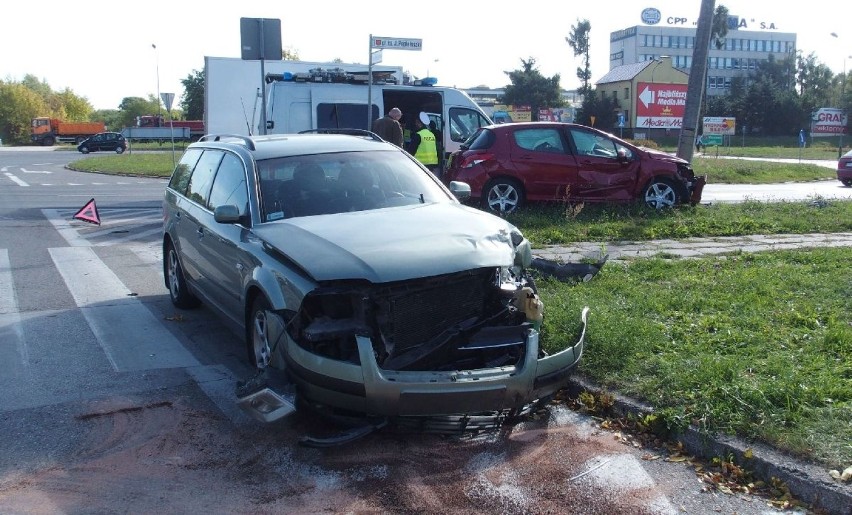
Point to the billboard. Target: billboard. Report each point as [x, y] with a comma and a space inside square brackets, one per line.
[829, 121]
[660, 106]
[719, 125]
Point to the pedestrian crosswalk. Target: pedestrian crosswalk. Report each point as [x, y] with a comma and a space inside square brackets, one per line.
[118, 226]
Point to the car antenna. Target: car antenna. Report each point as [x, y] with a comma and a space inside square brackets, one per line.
[245, 115]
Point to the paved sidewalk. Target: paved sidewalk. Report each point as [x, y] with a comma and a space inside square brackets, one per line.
[689, 247]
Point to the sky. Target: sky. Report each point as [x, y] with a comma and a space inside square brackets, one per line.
[106, 51]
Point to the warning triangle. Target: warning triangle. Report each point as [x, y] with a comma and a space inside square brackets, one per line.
[89, 213]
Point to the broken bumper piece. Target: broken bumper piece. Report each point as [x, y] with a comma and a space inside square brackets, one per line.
[368, 389]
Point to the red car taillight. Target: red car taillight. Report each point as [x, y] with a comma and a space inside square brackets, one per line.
[468, 161]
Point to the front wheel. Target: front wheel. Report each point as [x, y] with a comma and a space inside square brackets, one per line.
[119, 150]
[178, 291]
[84, 149]
[503, 196]
[257, 333]
[660, 193]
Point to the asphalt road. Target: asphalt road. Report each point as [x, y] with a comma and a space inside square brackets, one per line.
[112, 400]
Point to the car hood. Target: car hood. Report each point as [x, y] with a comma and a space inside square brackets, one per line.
[662, 156]
[392, 244]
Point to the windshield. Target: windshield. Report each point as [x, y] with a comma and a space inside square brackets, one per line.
[323, 184]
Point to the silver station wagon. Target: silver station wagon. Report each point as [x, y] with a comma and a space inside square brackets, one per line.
[356, 272]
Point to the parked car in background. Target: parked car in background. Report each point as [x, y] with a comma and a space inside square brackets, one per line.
[349, 265]
[844, 169]
[510, 164]
[103, 141]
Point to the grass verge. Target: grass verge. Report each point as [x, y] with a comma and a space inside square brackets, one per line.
[149, 164]
[560, 223]
[751, 344]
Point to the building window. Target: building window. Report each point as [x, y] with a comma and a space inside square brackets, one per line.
[666, 42]
[615, 96]
[626, 93]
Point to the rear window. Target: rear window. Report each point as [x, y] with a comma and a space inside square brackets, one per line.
[481, 140]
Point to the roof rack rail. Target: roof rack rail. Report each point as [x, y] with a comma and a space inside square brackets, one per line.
[219, 137]
[349, 132]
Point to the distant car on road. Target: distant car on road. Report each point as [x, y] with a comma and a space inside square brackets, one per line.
[510, 164]
[103, 141]
[844, 169]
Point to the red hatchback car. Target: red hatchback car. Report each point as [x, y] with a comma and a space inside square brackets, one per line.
[510, 164]
[844, 169]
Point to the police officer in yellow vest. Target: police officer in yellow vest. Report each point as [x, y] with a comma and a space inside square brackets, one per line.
[423, 146]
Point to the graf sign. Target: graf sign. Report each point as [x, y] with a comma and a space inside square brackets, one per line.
[720, 125]
[829, 122]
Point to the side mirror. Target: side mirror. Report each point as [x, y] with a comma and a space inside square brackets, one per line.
[270, 124]
[461, 190]
[228, 214]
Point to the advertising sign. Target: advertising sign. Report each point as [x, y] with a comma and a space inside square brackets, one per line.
[660, 106]
[720, 125]
[828, 121]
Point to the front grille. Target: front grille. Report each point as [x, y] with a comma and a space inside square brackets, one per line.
[414, 314]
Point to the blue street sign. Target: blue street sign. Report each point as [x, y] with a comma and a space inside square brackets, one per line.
[621, 119]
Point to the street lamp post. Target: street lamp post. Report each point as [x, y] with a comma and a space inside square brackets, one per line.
[840, 100]
[157, 63]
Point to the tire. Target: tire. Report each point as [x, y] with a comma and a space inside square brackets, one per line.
[847, 182]
[84, 149]
[48, 141]
[119, 150]
[502, 196]
[258, 346]
[178, 291]
[661, 193]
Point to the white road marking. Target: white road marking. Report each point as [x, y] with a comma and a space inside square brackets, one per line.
[34, 171]
[10, 319]
[12, 177]
[63, 227]
[131, 337]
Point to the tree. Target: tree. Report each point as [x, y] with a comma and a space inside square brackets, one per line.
[602, 109]
[579, 41]
[18, 106]
[290, 54]
[131, 107]
[719, 29]
[530, 87]
[192, 101]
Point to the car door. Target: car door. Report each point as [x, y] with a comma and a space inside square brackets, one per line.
[96, 142]
[220, 245]
[542, 159]
[606, 169]
[192, 230]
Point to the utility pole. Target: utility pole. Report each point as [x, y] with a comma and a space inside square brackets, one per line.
[697, 81]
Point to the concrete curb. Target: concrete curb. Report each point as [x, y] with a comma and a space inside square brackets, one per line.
[807, 482]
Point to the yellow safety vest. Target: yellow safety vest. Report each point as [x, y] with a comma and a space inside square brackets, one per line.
[427, 151]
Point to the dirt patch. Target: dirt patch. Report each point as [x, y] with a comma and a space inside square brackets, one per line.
[167, 457]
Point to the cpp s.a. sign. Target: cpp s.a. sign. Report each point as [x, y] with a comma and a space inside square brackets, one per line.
[651, 16]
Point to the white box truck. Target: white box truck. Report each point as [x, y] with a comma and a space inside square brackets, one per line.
[297, 104]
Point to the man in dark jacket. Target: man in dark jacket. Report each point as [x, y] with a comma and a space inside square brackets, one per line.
[388, 127]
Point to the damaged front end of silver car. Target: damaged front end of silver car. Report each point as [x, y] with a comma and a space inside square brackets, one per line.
[457, 344]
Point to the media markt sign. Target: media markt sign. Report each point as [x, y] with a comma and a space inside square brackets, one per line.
[829, 121]
[396, 43]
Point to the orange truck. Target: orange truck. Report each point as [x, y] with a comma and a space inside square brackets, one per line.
[47, 131]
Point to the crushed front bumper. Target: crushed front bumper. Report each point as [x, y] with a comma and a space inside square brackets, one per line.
[370, 390]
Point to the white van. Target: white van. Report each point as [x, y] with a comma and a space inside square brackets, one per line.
[295, 106]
